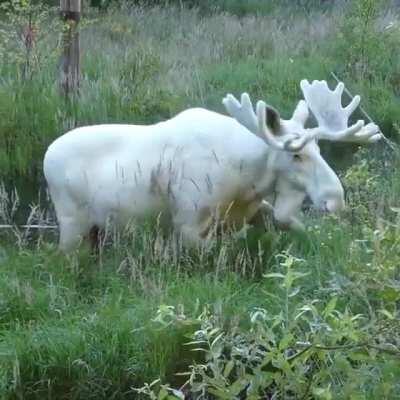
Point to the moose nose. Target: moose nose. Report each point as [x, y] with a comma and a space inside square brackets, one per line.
[334, 205]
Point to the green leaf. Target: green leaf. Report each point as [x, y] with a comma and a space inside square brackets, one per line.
[215, 341]
[195, 342]
[199, 349]
[178, 394]
[323, 393]
[228, 368]
[219, 393]
[284, 343]
[390, 294]
[387, 314]
[213, 332]
[162, 394]
[295, 291]
[239, 385]
[274, 275]
[330, 306]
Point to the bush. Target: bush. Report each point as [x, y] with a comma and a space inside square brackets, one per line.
[297, 352]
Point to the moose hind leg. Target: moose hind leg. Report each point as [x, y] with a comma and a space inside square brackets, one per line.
[71, 233]
[96, 239]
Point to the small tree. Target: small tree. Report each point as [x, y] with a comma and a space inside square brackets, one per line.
[26, 36]
[70, 57]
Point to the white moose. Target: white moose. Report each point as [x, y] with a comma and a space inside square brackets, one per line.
[202, 168]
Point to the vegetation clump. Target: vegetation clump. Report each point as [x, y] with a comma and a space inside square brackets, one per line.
[264, 315]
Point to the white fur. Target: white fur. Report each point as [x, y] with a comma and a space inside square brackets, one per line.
[201, 168]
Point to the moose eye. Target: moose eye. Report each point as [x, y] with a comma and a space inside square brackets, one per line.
[297, 157]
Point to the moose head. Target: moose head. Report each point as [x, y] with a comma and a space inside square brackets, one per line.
[298, 165]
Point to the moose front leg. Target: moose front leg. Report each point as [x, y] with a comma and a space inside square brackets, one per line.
[284, 215]
[193, 226]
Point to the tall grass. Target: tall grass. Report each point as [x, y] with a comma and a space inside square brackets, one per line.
[71, 328]
[138, 67]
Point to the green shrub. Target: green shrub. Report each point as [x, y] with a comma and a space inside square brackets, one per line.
[297, 352]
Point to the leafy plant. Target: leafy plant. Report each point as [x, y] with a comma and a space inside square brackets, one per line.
[26, 36]
[296, 353]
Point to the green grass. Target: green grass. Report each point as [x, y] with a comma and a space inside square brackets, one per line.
[87, 326]
[71, 328]
[136, 70]
[74, 329]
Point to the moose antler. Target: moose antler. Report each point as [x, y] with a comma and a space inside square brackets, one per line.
[244, 113]
[332, 117]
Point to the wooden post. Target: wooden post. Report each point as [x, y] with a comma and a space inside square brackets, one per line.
[70, 57]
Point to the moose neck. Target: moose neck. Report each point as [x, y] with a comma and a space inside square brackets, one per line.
[266, 182]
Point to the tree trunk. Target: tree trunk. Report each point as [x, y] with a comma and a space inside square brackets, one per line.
[70, 57]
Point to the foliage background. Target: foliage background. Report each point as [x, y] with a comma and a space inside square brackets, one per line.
[313, 316]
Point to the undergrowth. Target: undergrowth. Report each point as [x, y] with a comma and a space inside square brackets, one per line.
[260, 315]
[269, 315]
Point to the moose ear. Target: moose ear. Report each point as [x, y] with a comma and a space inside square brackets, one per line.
[301, 113]
[273, 120]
